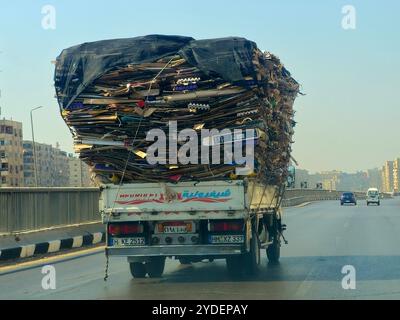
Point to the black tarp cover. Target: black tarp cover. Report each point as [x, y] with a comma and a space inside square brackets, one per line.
[78, 66]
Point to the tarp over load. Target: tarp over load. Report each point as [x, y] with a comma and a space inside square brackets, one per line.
[112, 92]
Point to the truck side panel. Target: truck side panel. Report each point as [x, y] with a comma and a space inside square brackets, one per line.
[181, 197]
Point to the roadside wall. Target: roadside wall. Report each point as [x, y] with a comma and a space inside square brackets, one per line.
[26, 209]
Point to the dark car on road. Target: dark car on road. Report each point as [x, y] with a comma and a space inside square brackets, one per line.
[347, 198]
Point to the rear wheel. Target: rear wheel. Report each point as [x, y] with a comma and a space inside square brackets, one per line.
[138, 270]
[274, 249]
[379, 203]
[252, 258]
[367, 204]
[155, 267]
[247, 263]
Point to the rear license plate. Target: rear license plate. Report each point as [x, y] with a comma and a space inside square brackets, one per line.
[177, 228]
[127, 242]
[226, 239]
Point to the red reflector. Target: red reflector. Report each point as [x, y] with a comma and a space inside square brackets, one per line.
[226, 226]
[120, 229]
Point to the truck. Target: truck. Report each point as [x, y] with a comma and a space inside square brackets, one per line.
[193, 221]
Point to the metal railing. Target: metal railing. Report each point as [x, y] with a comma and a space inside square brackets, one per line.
[295, 197]
[25, 209]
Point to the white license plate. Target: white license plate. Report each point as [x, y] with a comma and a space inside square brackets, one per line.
[227, 239]
[127, 242]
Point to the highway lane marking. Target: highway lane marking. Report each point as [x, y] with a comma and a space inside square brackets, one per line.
[49, 260]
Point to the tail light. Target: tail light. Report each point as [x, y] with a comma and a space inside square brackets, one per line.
[221, 226]
[117, 229]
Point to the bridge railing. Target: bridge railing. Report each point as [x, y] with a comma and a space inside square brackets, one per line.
[26, 209]
[295, 197]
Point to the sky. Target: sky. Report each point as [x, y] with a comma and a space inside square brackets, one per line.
[348, 119]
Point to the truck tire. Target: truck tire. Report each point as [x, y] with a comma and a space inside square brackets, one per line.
[138, 270]
[274, 252]
[247, 263]
[155, 267]
[252, 258]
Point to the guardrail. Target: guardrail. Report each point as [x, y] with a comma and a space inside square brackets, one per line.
[295, 197]
[26, 209]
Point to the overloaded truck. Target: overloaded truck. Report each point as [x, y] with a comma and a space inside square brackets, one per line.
[178, 199]
[216, 219]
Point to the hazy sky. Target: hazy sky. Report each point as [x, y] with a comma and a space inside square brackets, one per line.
[348, 120]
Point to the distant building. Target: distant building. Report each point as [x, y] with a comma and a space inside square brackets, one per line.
[11, 159]
[61, 167]
[301, 176]
[79, 175]
[396, 175]
[52, 165]
[374, 178]
[387, 177]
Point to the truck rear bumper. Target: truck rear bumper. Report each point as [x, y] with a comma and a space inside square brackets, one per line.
[176, 250]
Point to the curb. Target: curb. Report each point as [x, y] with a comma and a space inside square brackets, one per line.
[52, 246]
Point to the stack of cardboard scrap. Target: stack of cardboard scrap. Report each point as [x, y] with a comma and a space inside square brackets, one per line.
[112, 93]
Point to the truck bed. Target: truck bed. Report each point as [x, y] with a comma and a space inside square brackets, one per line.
[202, 198]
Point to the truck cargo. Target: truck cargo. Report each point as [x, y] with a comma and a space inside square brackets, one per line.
[172, 199]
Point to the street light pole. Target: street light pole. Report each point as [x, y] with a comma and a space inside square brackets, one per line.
[34, 147]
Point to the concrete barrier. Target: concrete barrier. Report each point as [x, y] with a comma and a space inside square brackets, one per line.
[26, 209]
[295, 197]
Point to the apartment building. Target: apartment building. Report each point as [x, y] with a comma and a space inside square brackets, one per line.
[387, 176]
[52, 165]
[79, 174]
[11, 154]
[396, 175]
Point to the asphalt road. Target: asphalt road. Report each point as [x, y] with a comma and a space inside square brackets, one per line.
[323, 237]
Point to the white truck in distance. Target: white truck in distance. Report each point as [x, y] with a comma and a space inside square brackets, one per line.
[193, 221]
[373, 196]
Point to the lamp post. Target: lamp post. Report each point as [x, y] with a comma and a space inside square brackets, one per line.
[34, 147]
